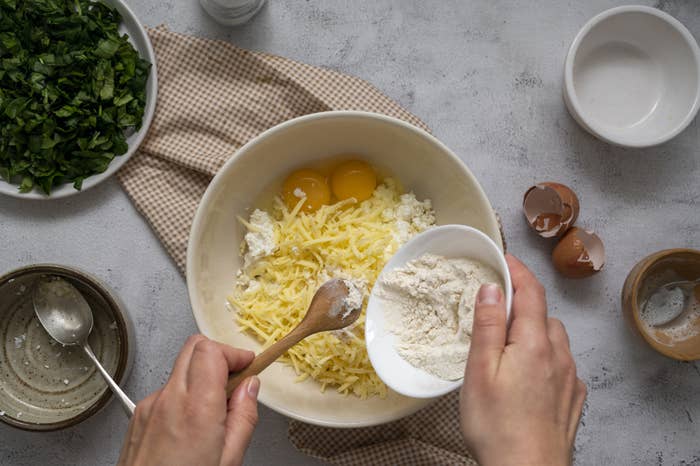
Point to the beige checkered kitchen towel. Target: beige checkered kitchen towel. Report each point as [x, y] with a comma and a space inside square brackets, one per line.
[214, 97]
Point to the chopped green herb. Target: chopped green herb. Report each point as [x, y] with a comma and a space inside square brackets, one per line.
[70, 86]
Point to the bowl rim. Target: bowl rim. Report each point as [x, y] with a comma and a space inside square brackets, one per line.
[198, 221]
[126, 333]
[9, 189]
[465, 230]
[635, 286]
[600, 130]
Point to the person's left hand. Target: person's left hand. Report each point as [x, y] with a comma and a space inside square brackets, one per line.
[187, 421]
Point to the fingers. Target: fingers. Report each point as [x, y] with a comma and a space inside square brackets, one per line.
[577, 409]
[529, 323]
[562, 351]
[241, 421]
[211, 363]
[142, 413]
[182, 363]
[129, 447]
[488, 332]
[557, 335]
[137, 425]
[237, 359]
[195, 396]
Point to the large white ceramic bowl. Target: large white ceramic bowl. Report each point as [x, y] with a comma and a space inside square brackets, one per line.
[418, 160]
[632, 76]
[139, 38]
[453, 242]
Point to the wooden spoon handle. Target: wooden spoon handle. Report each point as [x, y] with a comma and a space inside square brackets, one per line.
[266, 358]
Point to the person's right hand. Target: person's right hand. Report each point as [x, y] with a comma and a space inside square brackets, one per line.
[189, 421]
[521, 400]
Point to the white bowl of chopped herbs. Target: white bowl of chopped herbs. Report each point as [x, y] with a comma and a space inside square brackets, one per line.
[77, 94]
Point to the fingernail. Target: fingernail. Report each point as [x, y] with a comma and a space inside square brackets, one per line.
[489, 294]
[253, 387]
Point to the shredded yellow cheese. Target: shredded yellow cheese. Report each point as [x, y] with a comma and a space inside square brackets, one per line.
[346, 240]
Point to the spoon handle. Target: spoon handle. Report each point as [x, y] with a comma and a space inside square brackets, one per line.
[267, 357]
[127, 404]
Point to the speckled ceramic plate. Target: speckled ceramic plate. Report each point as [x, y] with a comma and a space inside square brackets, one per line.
[43, 385]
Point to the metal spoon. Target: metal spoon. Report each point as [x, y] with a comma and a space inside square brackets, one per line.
[330, 309]
[669, 302]
[67, 317]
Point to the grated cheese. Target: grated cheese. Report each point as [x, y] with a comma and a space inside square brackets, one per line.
[344, 240]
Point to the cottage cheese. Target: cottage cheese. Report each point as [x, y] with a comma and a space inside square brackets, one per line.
[411, 216]
[260, 239]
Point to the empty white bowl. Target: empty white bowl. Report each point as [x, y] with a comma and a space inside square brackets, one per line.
[632, 76]
[451, 241]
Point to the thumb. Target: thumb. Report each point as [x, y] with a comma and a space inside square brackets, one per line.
[488, 332]
[241, 421]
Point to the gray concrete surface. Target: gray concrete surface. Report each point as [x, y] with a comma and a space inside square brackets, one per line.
[486, 76]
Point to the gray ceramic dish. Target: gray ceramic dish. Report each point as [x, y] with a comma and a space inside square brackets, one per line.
[44, 386]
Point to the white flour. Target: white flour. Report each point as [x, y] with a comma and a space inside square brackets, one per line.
[357, 292]
[353, 300]
[429, 306]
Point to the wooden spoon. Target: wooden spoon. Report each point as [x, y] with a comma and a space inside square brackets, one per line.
[329, 310]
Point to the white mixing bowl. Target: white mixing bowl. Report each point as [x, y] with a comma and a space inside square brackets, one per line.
[632, 76]
[422, 164]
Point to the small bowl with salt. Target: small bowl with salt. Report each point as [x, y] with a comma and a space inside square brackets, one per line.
[420, 312]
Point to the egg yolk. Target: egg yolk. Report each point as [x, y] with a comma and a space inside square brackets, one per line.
[309, 185]
[354, 178]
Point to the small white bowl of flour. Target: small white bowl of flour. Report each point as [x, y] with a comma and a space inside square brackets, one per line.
[420, 313]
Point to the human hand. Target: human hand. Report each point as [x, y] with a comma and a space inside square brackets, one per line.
[187, 421]
[521, 400]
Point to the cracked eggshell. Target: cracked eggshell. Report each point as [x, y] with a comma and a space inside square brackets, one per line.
[579, 254]
[550, 208]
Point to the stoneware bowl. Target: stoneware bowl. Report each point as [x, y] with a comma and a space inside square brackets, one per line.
[632, 76]
[418, 160]
[451, 241]
[668, 265]
[44, 386]
[139, 38]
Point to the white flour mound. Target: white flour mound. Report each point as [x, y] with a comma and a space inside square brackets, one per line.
[429, 306]
[353, 300]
